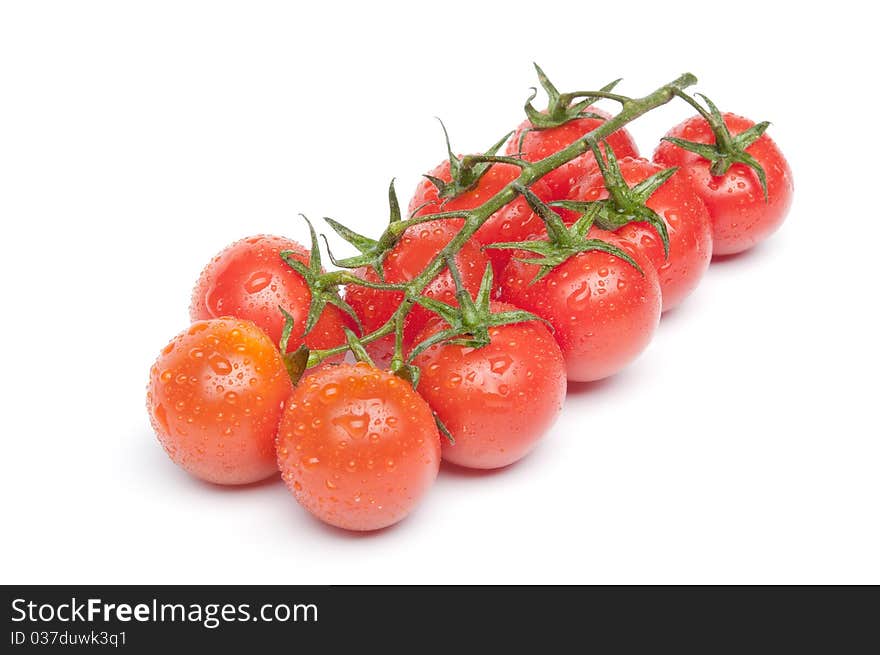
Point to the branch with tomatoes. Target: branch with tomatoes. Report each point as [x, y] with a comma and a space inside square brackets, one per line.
[510, 274]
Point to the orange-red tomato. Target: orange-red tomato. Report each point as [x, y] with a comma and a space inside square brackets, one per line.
[740, 215]
[515, 221]
[215, 398]
[249, 280]
[687, 223]
[498, 400]
[603, 310]
[357, 447]
[538, 144]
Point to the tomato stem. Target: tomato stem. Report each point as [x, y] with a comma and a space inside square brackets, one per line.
[631, 108]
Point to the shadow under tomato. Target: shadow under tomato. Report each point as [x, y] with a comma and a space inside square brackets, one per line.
[595, 387]
[736, 258]
[451, 470]
[238, 488]
[337, 532]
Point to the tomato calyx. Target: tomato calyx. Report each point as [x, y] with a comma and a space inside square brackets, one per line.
[561, 107]
[563, 242]
[727, 149]
[296, 362]
[468, 324]
[323, 287]
[372, 251]
[465, 172]
[625, 204]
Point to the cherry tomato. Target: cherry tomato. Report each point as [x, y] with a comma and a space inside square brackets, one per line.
[249, 280]
[603, 310]
[215, 398]
[498, 400]
[687, 222]
[409, 257]
[740, 215]
[513, 222]
[357, 447]
[538, 144]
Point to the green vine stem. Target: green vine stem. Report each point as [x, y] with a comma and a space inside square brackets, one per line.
[631, 108]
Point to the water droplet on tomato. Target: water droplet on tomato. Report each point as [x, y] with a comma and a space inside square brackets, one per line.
[580, 298]
[258, 281]
[500, 363]
[220, 364]
[355, 425]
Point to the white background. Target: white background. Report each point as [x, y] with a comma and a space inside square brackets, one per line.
[137, 139]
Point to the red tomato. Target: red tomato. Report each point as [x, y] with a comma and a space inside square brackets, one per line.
[250, 280]
[603, 310]
[409, 257]
[514, 222]
[215, 399]
[741, 217]
[687, 222]
[498, 400]
[357, 447]
[538, 144]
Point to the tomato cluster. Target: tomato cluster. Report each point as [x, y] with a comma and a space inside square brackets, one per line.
[476, 323]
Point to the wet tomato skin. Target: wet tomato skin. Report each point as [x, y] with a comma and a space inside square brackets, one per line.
[409, 257]
[357, 447]
[740, 216]
[498, 400]
[515, 221]
[249, 280]
[603, 310]
[538, 144]
[215, 398]
[687, 222]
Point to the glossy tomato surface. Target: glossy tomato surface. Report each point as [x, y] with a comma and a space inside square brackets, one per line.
[249, 280]
[357, 447]
[603, 310]
[741, 218]
[538, 144]
[515, 221]
[215, 398]
[498, 400]
[687, 222]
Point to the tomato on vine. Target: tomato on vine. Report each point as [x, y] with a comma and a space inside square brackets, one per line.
[357, 446]
[563, 122]
[254, 277]
[737, 170]
[496, 400]
[601, 296]
[215, 397]
[459, 184]
[657, 211]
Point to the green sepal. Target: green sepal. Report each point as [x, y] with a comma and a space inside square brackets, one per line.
[409, 372]
[624, 204]
[443, 429]
[357, 348]
[465, 172]
[372, 252]
[561, 107]
[469, 323]
[727, 149]
[563, 242]
[296, 362]
[323, 291]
